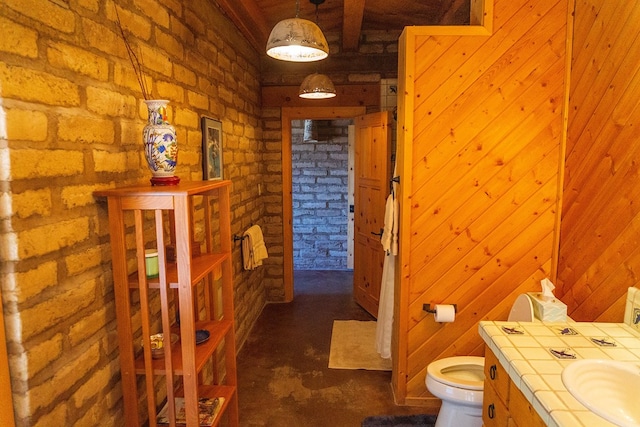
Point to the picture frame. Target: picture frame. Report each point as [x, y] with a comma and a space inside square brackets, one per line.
[212, 162]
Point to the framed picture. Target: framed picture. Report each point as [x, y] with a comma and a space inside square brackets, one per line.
[211, 149]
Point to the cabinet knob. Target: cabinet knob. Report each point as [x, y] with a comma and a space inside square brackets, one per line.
[491, 411]
[492, 372]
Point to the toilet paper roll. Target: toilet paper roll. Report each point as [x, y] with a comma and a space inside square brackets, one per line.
[445, 313]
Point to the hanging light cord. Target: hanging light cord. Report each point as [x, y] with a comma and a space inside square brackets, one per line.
[297, 8]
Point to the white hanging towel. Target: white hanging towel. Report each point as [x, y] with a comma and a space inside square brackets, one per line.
[389, 240]
[253, 248]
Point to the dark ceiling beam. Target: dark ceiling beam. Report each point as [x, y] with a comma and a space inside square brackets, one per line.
[352, 24]
[249, 18]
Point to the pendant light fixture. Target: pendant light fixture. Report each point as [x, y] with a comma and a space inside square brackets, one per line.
[297, 40]
[317, 86]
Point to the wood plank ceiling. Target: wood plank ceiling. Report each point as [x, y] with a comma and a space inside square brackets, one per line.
[347, 19]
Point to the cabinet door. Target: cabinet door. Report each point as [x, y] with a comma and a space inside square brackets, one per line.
[496, 376]
[494, 412]
[521, 410]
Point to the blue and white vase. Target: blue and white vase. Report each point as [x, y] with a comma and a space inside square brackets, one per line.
[160, 144]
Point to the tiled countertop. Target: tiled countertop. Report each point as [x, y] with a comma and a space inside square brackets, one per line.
[534, 355]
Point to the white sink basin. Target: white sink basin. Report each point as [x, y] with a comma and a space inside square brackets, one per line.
[609, 388]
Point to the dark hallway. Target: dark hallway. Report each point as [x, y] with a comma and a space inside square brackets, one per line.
[283, 374]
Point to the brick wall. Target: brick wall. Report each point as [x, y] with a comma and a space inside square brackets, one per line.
[320, 199]
[71, 117]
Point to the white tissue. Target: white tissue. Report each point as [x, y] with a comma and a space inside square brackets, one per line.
[547, 289]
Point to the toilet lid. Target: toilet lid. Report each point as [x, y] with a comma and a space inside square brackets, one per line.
[522, 310]
[460, 371]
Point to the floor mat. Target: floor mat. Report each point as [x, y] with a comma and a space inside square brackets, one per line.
[400, 421]
[353, 346]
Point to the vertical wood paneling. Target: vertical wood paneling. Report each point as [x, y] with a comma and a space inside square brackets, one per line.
[486, 132]
[599, 257]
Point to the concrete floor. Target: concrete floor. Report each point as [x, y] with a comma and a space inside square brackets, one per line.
[283, 374]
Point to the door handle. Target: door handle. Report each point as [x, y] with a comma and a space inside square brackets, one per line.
[378, 234]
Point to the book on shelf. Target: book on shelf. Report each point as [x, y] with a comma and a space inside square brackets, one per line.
[208, 408]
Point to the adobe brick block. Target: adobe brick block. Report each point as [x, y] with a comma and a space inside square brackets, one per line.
[82, 363]
[110, 103]
[169, 43]
[31, 85]
[32, 202]
[168, 90]
[52, 237]
[17, 39]
[184, 75]
[92, 5]
[52, 163]
[33, 282]
[41, 355]
[131, 22]
[80, 195]
[154, 10]
[26, 125]
[187, 117]
[86, 129]
[198, 100]
[103, 38]
[48, 13]
[105, 161]
[61, 55]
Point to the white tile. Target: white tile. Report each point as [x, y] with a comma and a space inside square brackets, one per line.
[523, 341]
[555, 381]
[613, 329]
[574, 341]
[519, 368]
[629, 342]
[586, 329]
[545, 402]
[590, 419]
[570, 401]
[542, 367]
[591, 353]
[537, 329]
[539, 353]
[502, 341]
[533, 382]
[564, 418]
[511, 354]
[619, 353]
[551, 341]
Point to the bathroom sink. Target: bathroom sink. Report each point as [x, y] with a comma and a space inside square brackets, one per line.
[608, 388]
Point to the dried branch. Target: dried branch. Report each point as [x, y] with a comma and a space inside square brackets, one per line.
[135, 62]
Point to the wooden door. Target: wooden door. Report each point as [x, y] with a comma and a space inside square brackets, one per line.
[372, 178]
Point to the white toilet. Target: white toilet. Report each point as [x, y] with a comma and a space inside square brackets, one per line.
[459, 381]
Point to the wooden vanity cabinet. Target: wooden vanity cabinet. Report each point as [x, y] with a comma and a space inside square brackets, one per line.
[503, 404]
[197, 283]
[495, 401]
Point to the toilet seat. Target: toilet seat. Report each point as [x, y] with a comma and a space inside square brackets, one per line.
[466, 372]
[522, 310]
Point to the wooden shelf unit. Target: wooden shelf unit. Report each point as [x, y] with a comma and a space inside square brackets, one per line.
[177, 281]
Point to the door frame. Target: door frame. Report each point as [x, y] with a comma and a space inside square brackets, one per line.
[287, 115]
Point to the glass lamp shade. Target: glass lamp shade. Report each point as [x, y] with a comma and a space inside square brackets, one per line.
[317, 86]
[297, 40]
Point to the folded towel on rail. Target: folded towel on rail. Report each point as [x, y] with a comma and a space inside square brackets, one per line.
[253, 248]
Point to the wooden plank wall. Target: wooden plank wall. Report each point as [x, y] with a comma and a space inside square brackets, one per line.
[479, 157]
[600, 233]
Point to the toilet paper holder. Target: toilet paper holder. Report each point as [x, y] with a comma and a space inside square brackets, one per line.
[428, 309]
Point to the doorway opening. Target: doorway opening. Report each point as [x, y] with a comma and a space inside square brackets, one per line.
[322, 193]
[289, 116]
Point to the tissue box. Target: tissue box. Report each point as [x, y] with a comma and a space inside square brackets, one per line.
[552, 310]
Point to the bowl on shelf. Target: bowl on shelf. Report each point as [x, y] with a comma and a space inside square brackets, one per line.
[157, 344]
